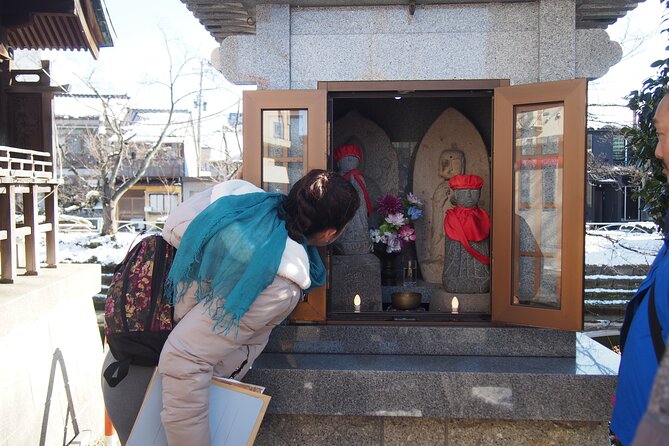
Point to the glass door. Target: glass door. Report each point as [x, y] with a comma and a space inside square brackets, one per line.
[284, 137]
[538, 226]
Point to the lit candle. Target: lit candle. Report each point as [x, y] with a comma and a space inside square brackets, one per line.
[356, 303]
[455, 304]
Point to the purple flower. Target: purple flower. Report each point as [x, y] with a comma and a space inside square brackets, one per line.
[394, 243]
[388, 204]
[397, 212]
[414, 200]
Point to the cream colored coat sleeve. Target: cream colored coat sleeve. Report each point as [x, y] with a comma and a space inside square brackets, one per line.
[193, 352]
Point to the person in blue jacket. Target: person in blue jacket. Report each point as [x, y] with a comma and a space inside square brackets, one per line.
[639, 363]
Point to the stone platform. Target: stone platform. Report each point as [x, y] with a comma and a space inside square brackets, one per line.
[435, 385]
[438, 300]
[52, 352]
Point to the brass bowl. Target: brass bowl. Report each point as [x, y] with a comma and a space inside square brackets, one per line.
[405, 300]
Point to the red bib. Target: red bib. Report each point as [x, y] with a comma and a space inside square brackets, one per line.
[468, 224]
[360, 179]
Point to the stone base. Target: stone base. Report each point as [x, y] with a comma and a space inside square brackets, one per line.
[402, 430]
[375, 385]
[469, 303]
[355, 274]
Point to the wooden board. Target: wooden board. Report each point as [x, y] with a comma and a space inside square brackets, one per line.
[235, 414]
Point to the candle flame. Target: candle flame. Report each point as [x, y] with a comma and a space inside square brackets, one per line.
[356, 300]
[455, 303]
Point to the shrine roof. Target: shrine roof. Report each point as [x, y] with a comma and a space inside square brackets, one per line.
[56, 24]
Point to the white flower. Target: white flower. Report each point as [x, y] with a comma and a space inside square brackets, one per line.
[396, 219]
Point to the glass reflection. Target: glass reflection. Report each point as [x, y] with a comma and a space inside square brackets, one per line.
[284, 148]
[537, 227]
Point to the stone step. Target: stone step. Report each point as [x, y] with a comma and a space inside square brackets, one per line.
[435, 385]
[604, 294]
[99, 302]
[617, 270]
[611, 309]
[484, 339]
[106, 278]
[613, 282]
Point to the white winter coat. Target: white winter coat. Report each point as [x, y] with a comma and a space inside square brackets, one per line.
[193, 351]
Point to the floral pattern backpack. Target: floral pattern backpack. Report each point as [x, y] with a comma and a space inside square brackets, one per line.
[138, 318]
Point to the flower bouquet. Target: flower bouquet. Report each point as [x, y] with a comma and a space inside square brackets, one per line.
[397, 213]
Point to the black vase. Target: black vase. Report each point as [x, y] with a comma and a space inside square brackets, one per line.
[391, 269]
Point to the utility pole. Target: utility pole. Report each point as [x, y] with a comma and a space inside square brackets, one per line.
[199, 118]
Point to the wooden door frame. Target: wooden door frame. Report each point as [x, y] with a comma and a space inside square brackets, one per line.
[504, 97]
[313, 306]
[571, 93]
[412, 86]
[312, 100]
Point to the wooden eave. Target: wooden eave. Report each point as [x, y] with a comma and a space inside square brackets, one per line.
[74, 29]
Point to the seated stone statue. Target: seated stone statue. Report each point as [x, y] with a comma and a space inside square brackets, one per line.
[355, 238]
[467, 227]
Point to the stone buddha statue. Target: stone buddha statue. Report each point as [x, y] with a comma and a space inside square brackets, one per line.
[451, 163]
[467, 228]
[355, 238]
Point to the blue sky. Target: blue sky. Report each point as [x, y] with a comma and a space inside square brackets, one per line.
[139, 59]
[642, 42]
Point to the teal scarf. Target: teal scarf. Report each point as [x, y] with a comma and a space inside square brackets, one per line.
[232, 250]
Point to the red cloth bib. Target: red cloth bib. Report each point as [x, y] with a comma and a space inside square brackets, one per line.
[359, 177]
[468, 224]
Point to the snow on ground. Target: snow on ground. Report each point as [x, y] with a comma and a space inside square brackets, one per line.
[606, 302]
[618, 248]
[612, 248]
[90, 247]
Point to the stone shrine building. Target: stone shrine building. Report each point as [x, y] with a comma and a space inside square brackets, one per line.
[428, 91]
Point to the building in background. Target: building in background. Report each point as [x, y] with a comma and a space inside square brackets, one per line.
[185, 165]
[611, 181]
[84, 141]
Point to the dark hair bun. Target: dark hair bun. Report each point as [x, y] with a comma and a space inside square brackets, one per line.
[320, 200]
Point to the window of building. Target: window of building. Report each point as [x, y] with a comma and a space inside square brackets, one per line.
[162, 203]
[618, 148]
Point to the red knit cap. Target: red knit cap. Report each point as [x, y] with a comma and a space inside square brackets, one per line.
[465, 182]
[347, 150]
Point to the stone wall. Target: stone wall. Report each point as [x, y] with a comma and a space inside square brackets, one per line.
[522, 41]
[52, 354]
[397, 431]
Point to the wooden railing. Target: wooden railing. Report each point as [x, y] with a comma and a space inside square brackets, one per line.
[24, 163]
[29, 174]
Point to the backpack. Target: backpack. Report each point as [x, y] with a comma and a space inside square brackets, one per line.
[138, 319]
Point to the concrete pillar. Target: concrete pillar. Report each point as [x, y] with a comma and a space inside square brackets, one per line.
[557, 40]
